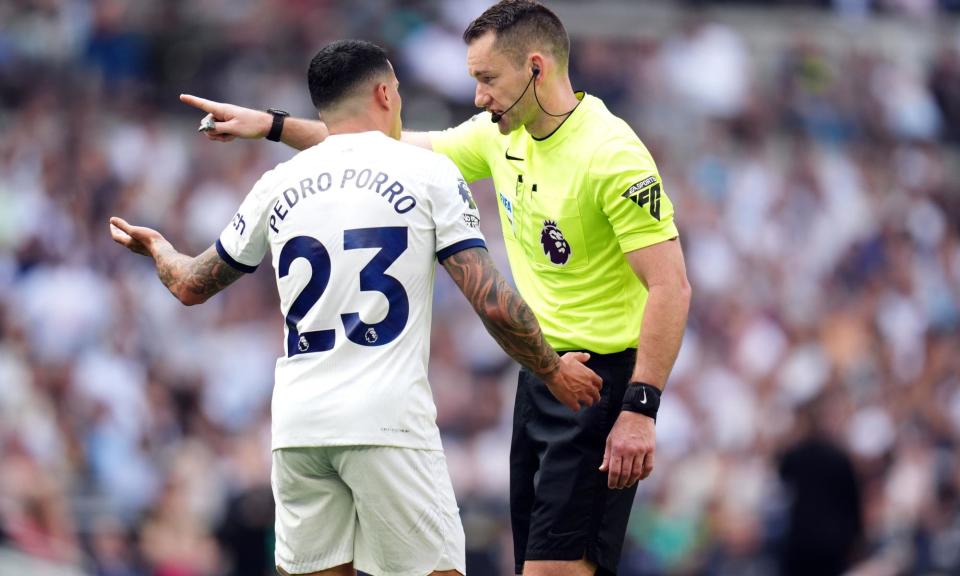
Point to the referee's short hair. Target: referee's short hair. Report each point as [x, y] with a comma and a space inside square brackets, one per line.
[522, 26]
[342, 67]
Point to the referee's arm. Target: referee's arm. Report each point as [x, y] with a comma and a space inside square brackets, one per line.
[629, 454]
[662, 271]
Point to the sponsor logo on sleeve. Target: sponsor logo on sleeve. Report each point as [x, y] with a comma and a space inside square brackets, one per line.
[239, 224]
[645, 193]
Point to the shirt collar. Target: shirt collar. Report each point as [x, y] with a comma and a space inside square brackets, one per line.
[567, 127]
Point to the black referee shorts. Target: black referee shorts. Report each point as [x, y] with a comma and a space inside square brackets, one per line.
[560, 506]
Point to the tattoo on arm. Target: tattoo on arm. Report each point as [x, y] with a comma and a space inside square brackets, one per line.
[505, 315]
[193, 280]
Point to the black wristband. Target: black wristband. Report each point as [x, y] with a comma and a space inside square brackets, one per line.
[277, 128]
[642, 399]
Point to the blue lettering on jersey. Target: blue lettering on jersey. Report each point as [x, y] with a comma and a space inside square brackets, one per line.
[239, 224]
[507, 207]
[307, 187]
[278, 212]
[364, 179]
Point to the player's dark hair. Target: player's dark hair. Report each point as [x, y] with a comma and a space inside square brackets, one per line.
[522, 26]
[342, 66]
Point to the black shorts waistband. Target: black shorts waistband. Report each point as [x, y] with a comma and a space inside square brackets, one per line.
[628, 355]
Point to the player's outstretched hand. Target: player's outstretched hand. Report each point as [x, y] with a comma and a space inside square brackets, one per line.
[628, 457]
[136, 238]
[229, 121]
[573, 384]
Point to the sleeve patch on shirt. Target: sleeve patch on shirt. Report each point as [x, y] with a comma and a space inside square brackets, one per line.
[466, 195]
[645, 193]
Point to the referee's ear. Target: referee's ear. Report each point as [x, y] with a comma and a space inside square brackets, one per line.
[538, 67]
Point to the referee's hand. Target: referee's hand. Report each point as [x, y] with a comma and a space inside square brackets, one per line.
[628, 457]
[230, 121]
[573, 384]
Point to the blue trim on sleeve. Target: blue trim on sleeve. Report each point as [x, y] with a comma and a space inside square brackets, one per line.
[233, 263]
[459, 246]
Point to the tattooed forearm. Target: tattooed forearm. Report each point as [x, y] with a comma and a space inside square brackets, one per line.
[506, 316]
[193, 280]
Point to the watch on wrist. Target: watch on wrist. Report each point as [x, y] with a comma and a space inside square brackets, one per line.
[277, 128]
[642, 398]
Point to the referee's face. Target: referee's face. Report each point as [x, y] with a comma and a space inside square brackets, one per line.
[500, 83]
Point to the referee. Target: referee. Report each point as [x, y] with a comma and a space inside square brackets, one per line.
[595, 253]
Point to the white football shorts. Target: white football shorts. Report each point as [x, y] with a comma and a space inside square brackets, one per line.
[389, 510]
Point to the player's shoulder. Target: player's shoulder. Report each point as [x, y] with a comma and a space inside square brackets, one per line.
[273, 181]
[427, 165]
[296, 162]
[404, 162]
[413, 151]
[266, 185]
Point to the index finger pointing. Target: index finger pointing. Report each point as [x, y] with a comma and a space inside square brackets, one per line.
[201, 103]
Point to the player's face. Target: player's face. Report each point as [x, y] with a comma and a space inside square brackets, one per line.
[499, 82]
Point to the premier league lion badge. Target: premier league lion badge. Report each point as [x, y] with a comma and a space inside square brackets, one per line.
[554, 244]
[466, 195]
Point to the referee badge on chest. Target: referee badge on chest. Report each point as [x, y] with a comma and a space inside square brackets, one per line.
[554, 244]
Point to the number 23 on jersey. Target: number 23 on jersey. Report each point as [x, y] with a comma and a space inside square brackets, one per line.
[392, 242]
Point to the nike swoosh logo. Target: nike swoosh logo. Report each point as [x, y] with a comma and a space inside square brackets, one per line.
[644, 401]
[509, 157]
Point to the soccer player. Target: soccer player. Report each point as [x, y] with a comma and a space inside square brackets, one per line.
[354, 227]
[594, 250]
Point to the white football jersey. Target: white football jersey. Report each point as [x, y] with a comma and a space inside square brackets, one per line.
[355, 226]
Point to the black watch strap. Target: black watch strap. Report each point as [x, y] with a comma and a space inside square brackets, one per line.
[277, 128]
[642, 398]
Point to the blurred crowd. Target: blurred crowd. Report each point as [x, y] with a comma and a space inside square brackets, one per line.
[814, 410]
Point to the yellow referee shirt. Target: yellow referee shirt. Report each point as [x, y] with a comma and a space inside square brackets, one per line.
[571, 205]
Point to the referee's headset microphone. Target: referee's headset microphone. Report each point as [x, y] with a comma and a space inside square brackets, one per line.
[495, 117]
